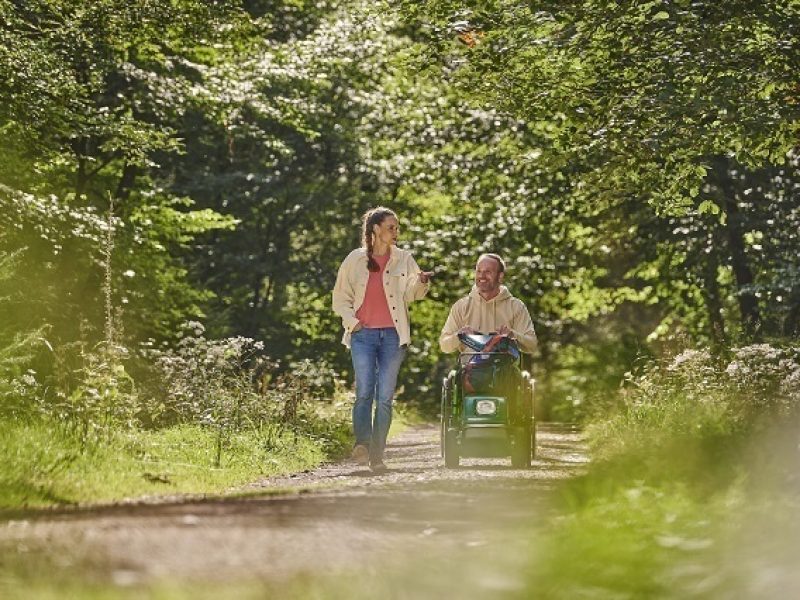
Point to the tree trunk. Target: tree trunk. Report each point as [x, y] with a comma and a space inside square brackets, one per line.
[126, 181]
[748, 303]
[791, 326]
[713, 300]
[79, 147]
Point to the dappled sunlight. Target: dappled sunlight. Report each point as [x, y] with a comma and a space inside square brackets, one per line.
[180, 183]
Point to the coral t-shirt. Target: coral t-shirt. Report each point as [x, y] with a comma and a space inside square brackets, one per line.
[374, 312]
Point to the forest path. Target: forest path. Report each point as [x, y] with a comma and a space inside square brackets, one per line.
[419, 525]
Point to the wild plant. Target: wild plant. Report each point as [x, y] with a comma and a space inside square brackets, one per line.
[766, 379]
[95, 395]
[106, 398]
[20, 395]
[204, 380]
[695, 390]
[229, 384]
[20, 392]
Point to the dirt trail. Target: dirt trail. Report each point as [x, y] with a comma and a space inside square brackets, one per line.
[339, 517]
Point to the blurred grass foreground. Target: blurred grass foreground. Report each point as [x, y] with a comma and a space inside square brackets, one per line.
[694, 491]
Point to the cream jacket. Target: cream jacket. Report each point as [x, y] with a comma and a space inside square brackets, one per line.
[486, 316]
[400, 284]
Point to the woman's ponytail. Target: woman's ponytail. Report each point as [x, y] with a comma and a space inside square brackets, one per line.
[372, 217]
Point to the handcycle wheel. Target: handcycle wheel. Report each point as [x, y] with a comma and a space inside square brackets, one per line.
[448, 436]
[521, 452]
[450, 443]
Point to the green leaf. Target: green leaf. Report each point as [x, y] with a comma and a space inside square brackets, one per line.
[708, 207]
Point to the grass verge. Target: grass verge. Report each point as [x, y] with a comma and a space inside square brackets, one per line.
[47, 466]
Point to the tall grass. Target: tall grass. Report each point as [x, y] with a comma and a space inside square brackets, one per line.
[48, 464]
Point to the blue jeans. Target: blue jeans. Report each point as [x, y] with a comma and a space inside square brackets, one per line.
[377, 357]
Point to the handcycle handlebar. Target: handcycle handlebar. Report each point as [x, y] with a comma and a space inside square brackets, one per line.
[482, 343]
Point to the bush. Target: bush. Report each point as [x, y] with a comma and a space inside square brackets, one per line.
[228, 382]
[231, 385]
[766, 379]
[20, 392]
[697, 395]
[201, 380]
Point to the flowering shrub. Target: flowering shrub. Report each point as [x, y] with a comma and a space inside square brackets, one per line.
[765, 378]
[694, 372]
[755, 381]
[229, 382]
[205, 380]
[690, 361]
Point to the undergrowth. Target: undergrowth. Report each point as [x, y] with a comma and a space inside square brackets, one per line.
[700, 456]
[47, 464]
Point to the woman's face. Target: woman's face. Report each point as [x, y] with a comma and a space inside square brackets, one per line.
[387, 231]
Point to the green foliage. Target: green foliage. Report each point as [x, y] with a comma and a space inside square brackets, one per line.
[88, 118]
[642, 92]
[277, 126]
[95, 125]
[634, 163]
[654, 149]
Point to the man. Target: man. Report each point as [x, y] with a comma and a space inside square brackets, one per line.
[489, 307]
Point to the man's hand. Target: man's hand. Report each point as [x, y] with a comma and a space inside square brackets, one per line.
[466, 330]
[357, 327]
[425, 276]
[504, 330]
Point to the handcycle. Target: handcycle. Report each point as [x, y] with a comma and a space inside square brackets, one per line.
[487, 403]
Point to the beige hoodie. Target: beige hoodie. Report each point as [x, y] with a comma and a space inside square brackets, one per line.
[486, 316]
[401, 285]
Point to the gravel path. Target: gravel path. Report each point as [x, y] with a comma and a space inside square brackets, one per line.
[413, 457]
[339, 518]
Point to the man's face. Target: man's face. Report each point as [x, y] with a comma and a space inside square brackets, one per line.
[488, 276]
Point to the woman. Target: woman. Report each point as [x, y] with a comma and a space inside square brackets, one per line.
[374, 285]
